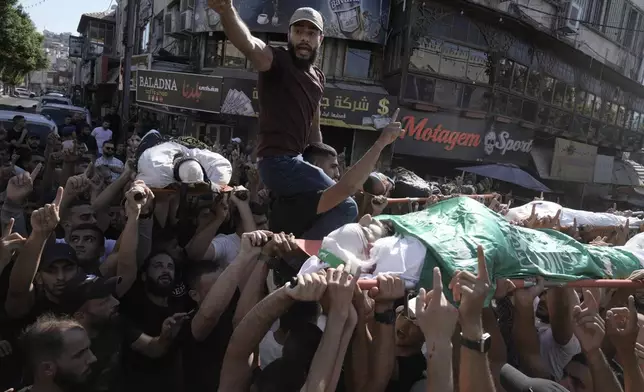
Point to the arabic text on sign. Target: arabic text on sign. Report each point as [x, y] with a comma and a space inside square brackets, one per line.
[438, 134]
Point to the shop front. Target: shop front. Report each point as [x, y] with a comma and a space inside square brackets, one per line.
[436, 143]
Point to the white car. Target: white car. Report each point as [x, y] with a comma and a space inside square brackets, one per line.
[57, 113]
[24, 93]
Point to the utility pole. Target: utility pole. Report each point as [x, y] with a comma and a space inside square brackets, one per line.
[128, 41]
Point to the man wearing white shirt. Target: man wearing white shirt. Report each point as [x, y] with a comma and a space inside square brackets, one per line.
[102, 134]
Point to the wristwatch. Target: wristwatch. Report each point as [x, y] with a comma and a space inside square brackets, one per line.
[483, 345]
[387, 317]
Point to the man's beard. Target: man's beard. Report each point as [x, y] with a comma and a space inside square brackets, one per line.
[108, 154]
[302, 63]
[69, 382]
[158, 289]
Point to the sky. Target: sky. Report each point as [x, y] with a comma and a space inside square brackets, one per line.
[62, 16]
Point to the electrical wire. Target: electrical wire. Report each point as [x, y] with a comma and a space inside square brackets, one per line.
[578, 20]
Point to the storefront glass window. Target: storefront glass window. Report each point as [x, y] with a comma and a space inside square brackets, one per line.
[500, 103]
[213, 53]
[505, 72]
[476, 98]
[534, 84]
[543, 115]
[519, 77]
[233, 57]
[580, 101]
[454, 60]
[476, 67]
[548, 89]
[514, 107]
[529, 110]
[610, 113]
[597, 110]
[356, 63]
[420, 88]
[621, 116]
[635, 123]
[569, 98]
[447, 93]
[560, 93]
[426, 57]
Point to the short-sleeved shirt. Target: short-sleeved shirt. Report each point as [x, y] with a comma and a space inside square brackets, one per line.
[223, 248]
[110, 162]
[554, 355]
[294, 214]
[289, 98]
[101, 135]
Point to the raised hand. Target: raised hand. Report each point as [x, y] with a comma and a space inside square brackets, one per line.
[388, 290]
[252, 243]
[588, 325]
[137, 197]
[391, 132]
[21, 186]
[435, 316]
[525, 297]
[309, 288]
[621, 326]
[10, 242]
[220, 6]
[76, 185]
[172, 325]
[280, 245]
[340, 287]
[45, 219]
[470, 291]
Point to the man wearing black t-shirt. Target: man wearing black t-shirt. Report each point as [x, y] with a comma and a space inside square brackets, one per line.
[290, 89]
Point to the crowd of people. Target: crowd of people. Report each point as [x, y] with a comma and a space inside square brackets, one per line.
[169, 264]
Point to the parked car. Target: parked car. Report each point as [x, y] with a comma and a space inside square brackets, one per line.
[49, 99]
[57, 113]
[24, 93]
[36, 124]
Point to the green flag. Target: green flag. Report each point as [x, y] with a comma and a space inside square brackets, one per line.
[452, 229]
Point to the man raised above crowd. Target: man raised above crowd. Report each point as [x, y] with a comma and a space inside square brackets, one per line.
[290, 88]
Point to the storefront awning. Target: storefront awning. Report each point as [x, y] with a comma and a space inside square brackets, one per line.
[542, 158]
[629, 173]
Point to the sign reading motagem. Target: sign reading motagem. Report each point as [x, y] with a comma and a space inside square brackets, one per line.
[179, 90]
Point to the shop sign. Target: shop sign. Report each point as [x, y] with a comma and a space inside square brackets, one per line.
[179, 90]
[339, 108]
[507, 143]
[358, 20]
[440, 136]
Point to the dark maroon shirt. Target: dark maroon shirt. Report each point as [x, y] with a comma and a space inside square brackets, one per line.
[289, 98]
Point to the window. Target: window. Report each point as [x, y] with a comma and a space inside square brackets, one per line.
[356, 63]
[233, 57]
[559, 94]
[569, 98]
[212, 54]
[519, 77]
[548, 89]
[620, 116]
[505, 72]
[446, 58]
[447, 93]
[420, 88]
[629, 32]
[534, 84]
[635, 122]
[476, 98]
[597, 110]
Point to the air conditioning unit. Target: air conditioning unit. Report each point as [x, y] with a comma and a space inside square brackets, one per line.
[187, 5]
[168, 23]
[186, 20]
[572, 13]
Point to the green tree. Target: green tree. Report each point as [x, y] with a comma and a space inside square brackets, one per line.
[21, 49]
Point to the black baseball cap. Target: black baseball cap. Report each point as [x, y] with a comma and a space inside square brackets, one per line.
[87, 287]
[57, 252]
[513, 380]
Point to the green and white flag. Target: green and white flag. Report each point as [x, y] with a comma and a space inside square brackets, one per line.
[452, 229]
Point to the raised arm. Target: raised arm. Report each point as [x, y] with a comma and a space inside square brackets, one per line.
[253, 48]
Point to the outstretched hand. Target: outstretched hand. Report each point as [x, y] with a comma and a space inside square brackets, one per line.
[21, 186]
[45, 219]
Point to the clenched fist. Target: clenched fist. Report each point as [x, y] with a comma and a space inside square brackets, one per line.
[220, 6]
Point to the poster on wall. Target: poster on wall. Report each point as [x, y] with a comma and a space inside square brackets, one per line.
[359, 20]
[76, 46]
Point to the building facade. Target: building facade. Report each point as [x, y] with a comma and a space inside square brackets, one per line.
[550, 86]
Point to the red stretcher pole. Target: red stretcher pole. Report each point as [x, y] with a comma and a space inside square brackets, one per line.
[366, 284]
[426, 199]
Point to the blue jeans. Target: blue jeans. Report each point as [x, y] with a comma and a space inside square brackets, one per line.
[289, 176]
